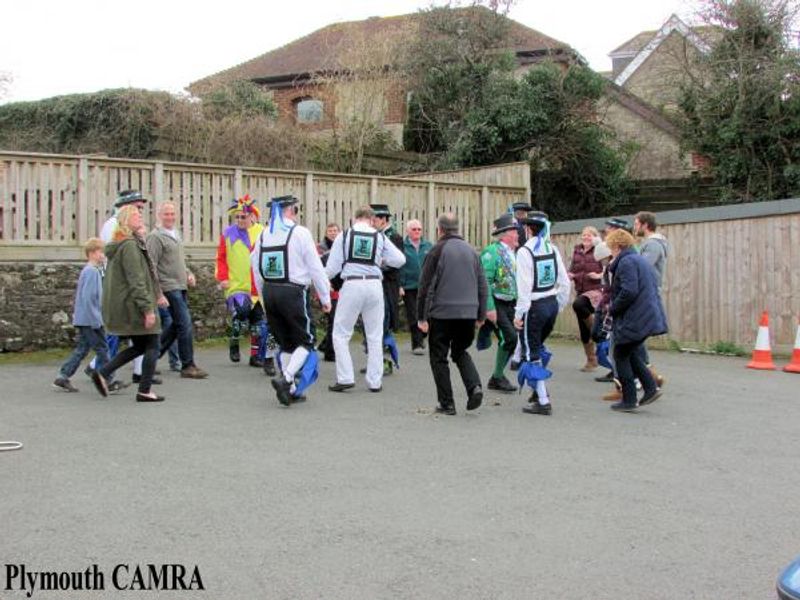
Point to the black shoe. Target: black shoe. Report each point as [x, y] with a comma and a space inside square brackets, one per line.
[501, 384]
[256, 362]
[282, 388]
[475, 398]
[376, 390]
[514, 366]
[146, 398]
[100, 384]
[116, 386]
[622, 407]
[234, 353]
[446, 410]
[650, 398]
[269, 367]
[300, 398]
[137, 378]
[538, 409]
[340, 387]
[63, 383]
[607, 378]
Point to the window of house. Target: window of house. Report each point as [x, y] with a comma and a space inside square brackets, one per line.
[309, 110]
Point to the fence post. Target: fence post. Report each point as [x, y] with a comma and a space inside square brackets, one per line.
[82, 202]
[484, 215]
[310, 205]
[237, 183]
[431, 210]
[158, 183]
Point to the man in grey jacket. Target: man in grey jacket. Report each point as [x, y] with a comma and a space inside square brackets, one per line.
[166, 250]
[451, 305]
[655, 247]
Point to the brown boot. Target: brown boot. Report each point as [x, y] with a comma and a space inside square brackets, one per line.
[591, 358]
[615, 395]
[660, 380]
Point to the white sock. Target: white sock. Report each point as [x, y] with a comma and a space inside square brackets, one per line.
[295, 363]
[285, 357]
[542, 391]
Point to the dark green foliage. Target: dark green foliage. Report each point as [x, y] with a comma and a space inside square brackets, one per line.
[742, 107]
[239, 99]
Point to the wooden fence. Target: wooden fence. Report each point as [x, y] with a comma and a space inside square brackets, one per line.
[50, 204]
[727, 264]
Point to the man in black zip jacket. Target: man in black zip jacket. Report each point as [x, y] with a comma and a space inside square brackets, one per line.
[451, 305]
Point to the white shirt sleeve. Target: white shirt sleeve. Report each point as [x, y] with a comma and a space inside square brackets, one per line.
[315, 269]
[524, 282]
[336, 257]
[107, 231]
[392, 256]
[564, 284]
[256, 269]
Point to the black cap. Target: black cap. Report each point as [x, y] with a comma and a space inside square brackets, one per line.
[535, 218]
[284, 200]
[381, 210]
[618, 223]
[504, 223]
[521, 206]
[129, 197]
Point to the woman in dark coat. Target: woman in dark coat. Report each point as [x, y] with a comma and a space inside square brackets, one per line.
[130, 298]
[637, 313]
[586, 273]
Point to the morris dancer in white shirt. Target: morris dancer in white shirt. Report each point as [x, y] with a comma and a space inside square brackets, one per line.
[359, 253]
[285, 263]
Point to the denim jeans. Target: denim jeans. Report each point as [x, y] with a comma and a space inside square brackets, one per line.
[88, 339]
[166, 321]
[180, 328]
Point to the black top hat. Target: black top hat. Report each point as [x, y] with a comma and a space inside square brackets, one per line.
[535, 218]
[381, 210]
[521, 206]
[504, 223]
[284, 200]
[129, 197]
[618, 223]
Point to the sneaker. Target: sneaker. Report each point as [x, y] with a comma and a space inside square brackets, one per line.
[117, 386]
[418, 351]
[607, 378]
[138, 378]
[63, 383]
[622, 407]
[256, 362]
[649, 399]
[233, 352]
[269, 367]
[534, 408]
[501, 384]
[283, 389]
[446, 410]
[475, 398]
[193, 372]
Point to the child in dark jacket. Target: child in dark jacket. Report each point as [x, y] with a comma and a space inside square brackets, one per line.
[87, 318]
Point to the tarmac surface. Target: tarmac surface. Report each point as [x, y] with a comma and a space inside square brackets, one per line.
[362, 495]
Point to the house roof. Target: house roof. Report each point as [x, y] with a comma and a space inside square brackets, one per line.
[633, 45]
[317, 51]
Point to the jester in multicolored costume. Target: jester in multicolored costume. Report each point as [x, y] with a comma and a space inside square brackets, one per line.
[499, 264]
[235, 277]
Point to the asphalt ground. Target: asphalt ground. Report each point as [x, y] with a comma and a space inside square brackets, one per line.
[362, 495]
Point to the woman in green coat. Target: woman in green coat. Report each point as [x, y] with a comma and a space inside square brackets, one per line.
[130, 298]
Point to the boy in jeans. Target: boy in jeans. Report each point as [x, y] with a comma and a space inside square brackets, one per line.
[88, 318]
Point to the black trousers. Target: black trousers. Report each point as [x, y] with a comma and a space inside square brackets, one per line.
[147, 345]
[583, 310]
[410, 302]
[630, 366]
[453, 336]
[288, 315]
[538, 323]
[505, 324]
[326, 345]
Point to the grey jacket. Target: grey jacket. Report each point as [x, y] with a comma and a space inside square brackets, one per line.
[88, 298]
[655, 249]
[168, 259]
[452, 284]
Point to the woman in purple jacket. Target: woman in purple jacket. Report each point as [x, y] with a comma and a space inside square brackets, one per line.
[586, 273]
[638, 314]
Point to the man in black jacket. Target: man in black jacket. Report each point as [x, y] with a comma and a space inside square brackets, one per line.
[451, 304]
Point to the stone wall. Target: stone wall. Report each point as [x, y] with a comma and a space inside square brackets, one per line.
[36, 303]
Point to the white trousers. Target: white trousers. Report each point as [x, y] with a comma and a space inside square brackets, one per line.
[359, 297]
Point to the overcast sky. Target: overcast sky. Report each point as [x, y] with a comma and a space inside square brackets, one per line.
[70, 46]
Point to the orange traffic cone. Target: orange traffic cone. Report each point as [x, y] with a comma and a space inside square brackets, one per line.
[762, 355]
[794, 364]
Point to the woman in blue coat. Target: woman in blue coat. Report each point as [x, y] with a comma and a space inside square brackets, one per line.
[638, 313]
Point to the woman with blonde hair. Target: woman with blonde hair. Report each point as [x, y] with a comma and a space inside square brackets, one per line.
[637, 314]
[586, 274]
[130, 299]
